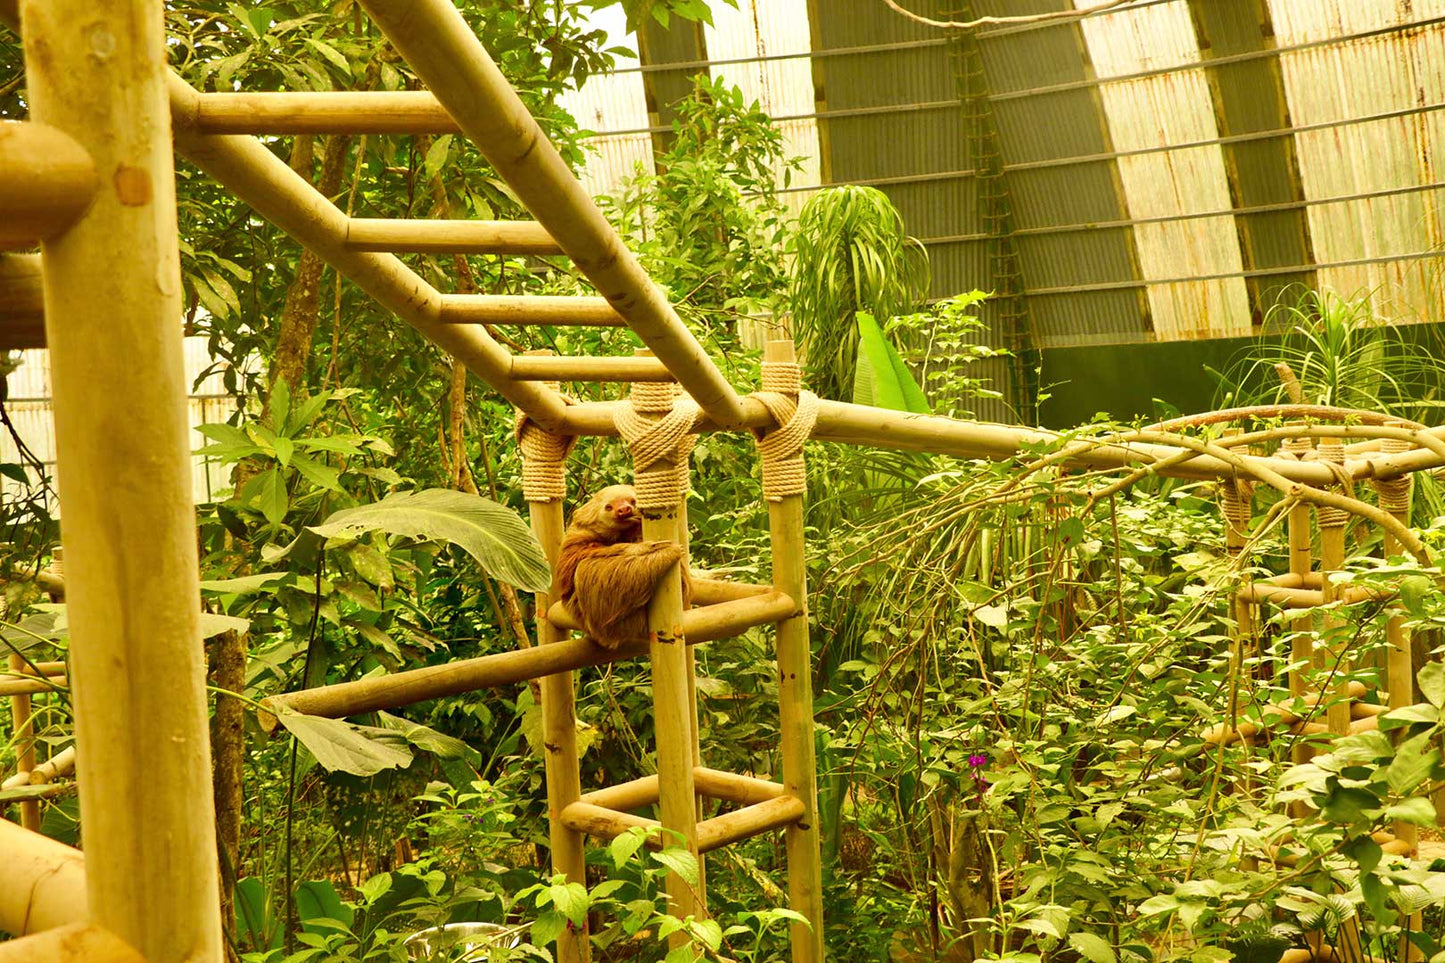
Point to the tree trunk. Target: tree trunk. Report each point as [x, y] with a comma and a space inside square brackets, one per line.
[228, 755]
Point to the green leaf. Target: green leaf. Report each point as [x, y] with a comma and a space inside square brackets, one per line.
[317, 899]
[318, 474]
[1415, 759]
[680, 861]
[444, 746]
[15, 472]
[547, 927]
[1364, 851]
[333, 55]
[622, 847]
[213, 624]
[1093, 948]
[881, 378]
[436, 156]
[279, 404]
[1431, 680]
[241, 585]
[340, 746]
[1413, 592]
[500, 541]
[1415, 810]
[371, 565]
[271, 499]
[283, 447]
[571, 900]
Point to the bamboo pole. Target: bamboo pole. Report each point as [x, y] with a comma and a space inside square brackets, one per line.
[449, 237]
[626, 796]
[559, 734]
[795, 709]
[453, 678]
[22, 302]
[587, 819]
[527, 368]
[113, 314]
[749, 821]
[434, 39]
[24, 746]
[60, 764]
[47, 180]
[533, 309]
[745, 790]
[1333, 526]
[711, 591]
[44, 882]
[722, 620]
[34, 685]
[76, 943]
[261, 179]
[324, 112]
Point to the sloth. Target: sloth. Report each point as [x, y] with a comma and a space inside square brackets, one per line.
[606, 575]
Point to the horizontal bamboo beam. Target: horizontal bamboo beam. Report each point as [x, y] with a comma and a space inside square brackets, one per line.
[710, 591]
[76, 943]
[534, 309]
[606, 823]
[47, 180]
[449, 236]
[60, 764]
[709, 623]
[41, 668]
[323, 112]
[626, 796]
[32, 686]
[558, 368]
[453, 678]
[22, 302]
[1277, 714]
[1304, 598]
[259, 178]
[749, 821]
[26, 792]
[442, 48]
[44, 885]
[745, 790]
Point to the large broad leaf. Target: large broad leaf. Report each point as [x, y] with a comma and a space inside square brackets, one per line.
[340, 746]
[256, 926]
[499, 540]
[444, 746]
[213, 625]
[881, 378]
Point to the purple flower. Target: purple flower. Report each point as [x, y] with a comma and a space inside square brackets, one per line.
[976, 761]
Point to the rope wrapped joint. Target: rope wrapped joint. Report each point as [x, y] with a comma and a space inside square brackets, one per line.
[796, 412]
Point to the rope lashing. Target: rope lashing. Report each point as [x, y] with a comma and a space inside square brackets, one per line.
[657, 427]
[1332, 453]
[544, 458]
[795, 411]
[1394, 493]
[1236, 502]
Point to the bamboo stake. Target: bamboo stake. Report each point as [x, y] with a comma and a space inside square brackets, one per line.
[559, 736]
[534, 309]
[22, 302]
[526, 368]
[261, 179]
[449, 237]
[24, 746]
[44, 882]
[446, 54]
[626, 796]
[795, 708]
[47, 181]
[76, 943]
[749, 821]
[113, 313]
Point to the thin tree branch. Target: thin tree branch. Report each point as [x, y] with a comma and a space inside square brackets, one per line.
[990, 21]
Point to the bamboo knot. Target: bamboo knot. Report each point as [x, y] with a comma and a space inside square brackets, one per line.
[544, 457]
[658, 428]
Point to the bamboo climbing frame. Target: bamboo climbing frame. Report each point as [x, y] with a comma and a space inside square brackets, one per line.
[90, 179]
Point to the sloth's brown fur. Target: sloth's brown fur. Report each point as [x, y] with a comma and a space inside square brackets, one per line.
[606, 574]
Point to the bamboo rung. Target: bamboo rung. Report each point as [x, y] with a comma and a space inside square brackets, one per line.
[323, 112]
[749, 821]
[722, 620]
[1303, 598]
[1279, 715]
[745, 790]
[711, 591]
[528, 310]
[606, 823]
[60, 764]
[449, 236]
[77, 943]
[555, 368]
[33, 686]
[47, 180]
[22, 302]
[453, 678]
[626, 796]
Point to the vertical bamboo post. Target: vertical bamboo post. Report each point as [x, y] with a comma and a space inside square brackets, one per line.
[1302, 654]
[685, 540]
[1394, 497]
[781, 377]
[113, 324]
[24, 745]
[660, 480]
[544, 483]
[1333, 525]
[1236, 505]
